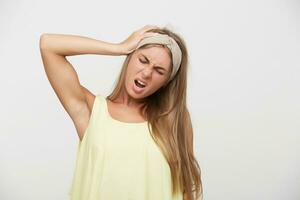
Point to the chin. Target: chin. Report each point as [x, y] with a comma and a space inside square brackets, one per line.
[138, 96]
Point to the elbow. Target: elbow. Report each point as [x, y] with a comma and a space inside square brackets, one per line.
[43, 41]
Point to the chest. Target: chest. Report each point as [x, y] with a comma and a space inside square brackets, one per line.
[124, 114]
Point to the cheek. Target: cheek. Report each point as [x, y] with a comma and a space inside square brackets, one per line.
[158, 80]
[134, 68]
[128, 77]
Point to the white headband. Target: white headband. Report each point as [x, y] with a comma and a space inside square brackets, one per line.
[158, 38]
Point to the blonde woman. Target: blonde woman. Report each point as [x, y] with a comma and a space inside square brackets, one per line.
[137, 142]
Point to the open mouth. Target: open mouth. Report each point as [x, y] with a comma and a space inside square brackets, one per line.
[139, 84]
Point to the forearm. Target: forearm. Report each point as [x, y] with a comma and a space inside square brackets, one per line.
[68, 45]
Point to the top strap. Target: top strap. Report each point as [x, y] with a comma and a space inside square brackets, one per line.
[97, 108]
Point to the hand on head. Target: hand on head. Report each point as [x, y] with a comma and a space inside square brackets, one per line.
[130, 43]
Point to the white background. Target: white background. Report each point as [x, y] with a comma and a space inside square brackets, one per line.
[243, 91]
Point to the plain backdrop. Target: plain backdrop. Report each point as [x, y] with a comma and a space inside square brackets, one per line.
[243, 91]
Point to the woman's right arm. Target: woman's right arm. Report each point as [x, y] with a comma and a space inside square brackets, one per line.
[75, 98]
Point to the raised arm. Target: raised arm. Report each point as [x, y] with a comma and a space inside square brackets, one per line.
[75, 98]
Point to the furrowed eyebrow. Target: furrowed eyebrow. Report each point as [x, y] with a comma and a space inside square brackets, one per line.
[156, 65]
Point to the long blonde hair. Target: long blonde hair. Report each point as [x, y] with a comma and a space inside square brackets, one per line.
[167, 113]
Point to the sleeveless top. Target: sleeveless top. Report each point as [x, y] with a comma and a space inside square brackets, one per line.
[119, 161]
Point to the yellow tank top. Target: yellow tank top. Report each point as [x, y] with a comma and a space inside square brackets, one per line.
[119, 161]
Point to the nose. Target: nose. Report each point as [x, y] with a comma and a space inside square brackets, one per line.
[146, 73]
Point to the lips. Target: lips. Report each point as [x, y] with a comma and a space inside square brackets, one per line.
[140, 82]
[137, 87]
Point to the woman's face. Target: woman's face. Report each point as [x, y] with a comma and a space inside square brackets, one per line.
[151, 66]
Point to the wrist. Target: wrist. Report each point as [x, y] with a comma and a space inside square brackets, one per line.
[119, 49]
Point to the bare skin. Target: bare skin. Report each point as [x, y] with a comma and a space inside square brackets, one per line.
[126, 108]
[78, 100]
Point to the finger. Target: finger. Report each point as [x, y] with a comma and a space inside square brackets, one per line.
[149, 34]
[152, 26]
[143, 28]
[148, 27]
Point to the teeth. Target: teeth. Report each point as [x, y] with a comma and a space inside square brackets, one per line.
[141, 83]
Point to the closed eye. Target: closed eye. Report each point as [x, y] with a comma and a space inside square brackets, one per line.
[160, 72]
[142, 61]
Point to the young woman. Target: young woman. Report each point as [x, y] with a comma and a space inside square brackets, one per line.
[137, 142]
